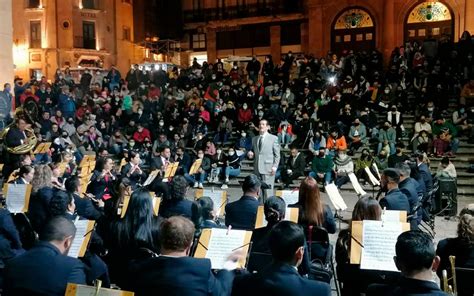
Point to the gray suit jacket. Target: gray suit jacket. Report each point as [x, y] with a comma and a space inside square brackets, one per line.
[269, 156]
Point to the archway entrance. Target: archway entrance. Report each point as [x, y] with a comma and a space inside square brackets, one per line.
[353, 28]
[429, 20]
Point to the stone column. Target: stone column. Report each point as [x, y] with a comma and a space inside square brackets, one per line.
[469, 17]
[304, 37]
[388, 30]
[6, 42]
[275, 43]
[211, 43]
[316, 41]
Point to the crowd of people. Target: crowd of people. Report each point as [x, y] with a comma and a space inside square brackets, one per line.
[323, 110]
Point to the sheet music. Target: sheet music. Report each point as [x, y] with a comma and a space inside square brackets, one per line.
[156, 205]
[335, 197]
[377, 170]
[221, 244]
[16, 197]
[290, 196]
[217, 198]
[391, 216]
[288, 213]
[379, 241]
[81, 231]
[82, 290]
[195, 167]
[372, 178]
[151, 177]
[355, 183]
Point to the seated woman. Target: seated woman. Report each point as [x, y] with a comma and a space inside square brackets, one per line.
[354, 281]
[102, 179]
[204, 214]
[462, 247]
[202, 172]
[132, 169]
[24, 175]
[218, 162]
[56, 178]
[343, 165]
[446, 169]
[312, 210]
[124, 238]
[41, 193]
[177, 205]
[232, 167]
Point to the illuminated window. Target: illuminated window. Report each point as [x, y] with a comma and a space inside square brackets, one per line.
[33, 3]
[430, 11]
[347, 38]
[354, 18]
[360, 37]
[35, 34]
[338, 39]
[435, 31]
[126, 34]
[421, 32]
[199, 41]
[369, 36]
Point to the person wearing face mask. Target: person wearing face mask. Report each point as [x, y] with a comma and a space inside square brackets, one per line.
[268, 69]
[243, 145]
[357, 136]
[460, 120]
[422, 142]
[224, 129]
[398, 157]
[244, 115]
[381, 160]
[343, 167]
[396, 119]
[322, 166]
[218, 161]
[232, 167]
[387, 138]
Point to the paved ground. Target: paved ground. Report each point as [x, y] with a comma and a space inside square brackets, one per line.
[444, 227]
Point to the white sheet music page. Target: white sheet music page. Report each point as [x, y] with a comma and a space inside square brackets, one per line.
[16, 197]
[379, 241]
[335, 197]
[391, 216]
[221, 244]
[355, 183]
[290, 196]
[81, 230]
[216, 196]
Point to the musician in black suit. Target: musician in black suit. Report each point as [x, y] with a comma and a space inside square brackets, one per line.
[46, 269]
[174, 273]
[85, 207]
[242, 214]
[15, 137]
[161, 163]
[416, 259]
[102, 179]
[394, 199]
[24, 175]
[177, 204]
[132, 170]
[294, 168]
[286, 243]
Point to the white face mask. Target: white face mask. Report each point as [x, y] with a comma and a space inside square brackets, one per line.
[219, 151]
[387, 91]
[260, 114]
[231, 153]
[245, 107]
[244, 135]
[140, 112]
[161, 123]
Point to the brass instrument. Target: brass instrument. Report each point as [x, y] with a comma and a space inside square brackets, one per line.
[450, 289]
[32, 140]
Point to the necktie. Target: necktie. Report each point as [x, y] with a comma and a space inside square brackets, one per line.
[260, 142]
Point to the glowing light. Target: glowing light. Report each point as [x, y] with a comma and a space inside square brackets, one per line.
[20, 55]
[332, 79]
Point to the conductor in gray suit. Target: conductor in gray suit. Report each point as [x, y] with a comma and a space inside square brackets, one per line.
[266, 156]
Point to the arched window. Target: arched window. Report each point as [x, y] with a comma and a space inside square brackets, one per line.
[353, 28]
[430, 19]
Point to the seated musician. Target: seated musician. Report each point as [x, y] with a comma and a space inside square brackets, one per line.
[177, 204]
[85, 206]
[286, 241]
[416, 259]
[132, 169]
[15, 137]
[462, 247]
[161, 163]
[174, 272]
[102, 179]
[41, 193]
[24, 175]
[204, 214]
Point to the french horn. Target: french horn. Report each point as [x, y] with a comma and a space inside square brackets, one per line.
[32, 139]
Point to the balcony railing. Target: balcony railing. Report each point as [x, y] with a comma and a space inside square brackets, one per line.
[80, 42]
[272, 7]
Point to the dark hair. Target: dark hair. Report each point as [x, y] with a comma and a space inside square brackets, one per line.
[309, 198]
[59, 203]
[178, 188]
[284, 240]
[72, 184]
[176, 233]
[100, 163]
[367, 208]
[135, 230]
[24, 170]
[204, 208]
[57, 229]
[445, 160]
[415, 251]
[274, 209]
[131, 155]
[251, 183]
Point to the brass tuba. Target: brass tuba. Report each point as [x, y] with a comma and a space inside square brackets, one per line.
[32, 140]
[450, 289]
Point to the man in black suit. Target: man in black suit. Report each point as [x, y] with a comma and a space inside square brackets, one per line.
[294, 168]
[424, 171]
[416, 259]
[394, 199]
[408, 186]
[174, 273]
[286, 242]
[46, 269]
[241, 214]
[161, 163]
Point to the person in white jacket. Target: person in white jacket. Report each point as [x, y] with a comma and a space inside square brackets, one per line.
[344, 166]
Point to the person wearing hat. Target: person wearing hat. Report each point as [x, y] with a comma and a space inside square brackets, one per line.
[394, 199]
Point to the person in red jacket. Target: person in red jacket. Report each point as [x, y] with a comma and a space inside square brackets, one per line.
[141, 134]
[244, 115]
